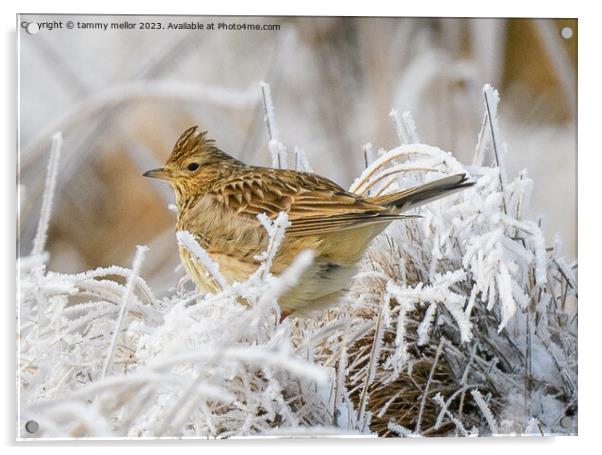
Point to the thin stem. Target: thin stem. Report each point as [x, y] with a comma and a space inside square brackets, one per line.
[53, 166]
[495, 150]
[127, 295]
[428, 384]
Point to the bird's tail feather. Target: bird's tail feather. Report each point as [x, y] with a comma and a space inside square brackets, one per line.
[419, 195]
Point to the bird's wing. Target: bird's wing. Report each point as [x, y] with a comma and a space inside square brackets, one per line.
[314, 204]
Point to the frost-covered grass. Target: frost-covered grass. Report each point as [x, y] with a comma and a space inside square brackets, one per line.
[456, 324]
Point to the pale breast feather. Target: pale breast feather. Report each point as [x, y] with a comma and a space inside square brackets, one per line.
[220, 230]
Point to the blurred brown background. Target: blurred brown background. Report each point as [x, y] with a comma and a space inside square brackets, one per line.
[122, 97]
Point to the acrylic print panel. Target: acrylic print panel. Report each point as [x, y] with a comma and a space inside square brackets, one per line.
[223, 299]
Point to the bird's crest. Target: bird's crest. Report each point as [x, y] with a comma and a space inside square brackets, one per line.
[192, 142]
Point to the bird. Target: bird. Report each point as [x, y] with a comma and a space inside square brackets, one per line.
[219, 198]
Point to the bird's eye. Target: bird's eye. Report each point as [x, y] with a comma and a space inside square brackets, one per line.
[193, 167]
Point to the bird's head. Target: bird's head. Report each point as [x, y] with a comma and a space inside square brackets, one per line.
[191, 162]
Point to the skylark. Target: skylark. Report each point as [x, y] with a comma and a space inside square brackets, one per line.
[219, 197]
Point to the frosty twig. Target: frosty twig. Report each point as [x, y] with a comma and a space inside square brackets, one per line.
[53, 163]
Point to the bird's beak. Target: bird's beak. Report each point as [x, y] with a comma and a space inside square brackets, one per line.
[159, 173]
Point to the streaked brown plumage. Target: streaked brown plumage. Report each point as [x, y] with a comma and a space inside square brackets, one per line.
[219, 197]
